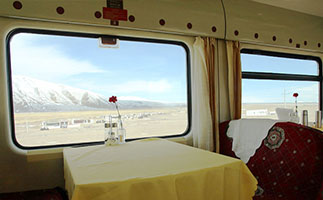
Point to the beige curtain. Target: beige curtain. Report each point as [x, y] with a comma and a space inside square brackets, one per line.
[210, 61]
[202, 122]
[234, 78]
[216, 89]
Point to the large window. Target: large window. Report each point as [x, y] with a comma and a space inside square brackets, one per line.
[61, 83]
[270, 79]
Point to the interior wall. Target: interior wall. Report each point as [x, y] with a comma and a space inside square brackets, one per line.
[40, 169]
[250, 21]
[267, 47]
[243, 20]
[202, 15]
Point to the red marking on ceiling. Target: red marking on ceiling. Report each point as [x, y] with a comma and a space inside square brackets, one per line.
[256, 35]
[162, 22]
[98, 14]
[132, 18]
[115, 14]
[17, 5]
[60, 10]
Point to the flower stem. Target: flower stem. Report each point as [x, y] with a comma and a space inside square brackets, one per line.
[119, 116]
[118, 110]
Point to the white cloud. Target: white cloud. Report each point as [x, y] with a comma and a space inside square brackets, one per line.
[46, 62]
[307, 93]
[159, 86]
[252, 99]
[133, 98]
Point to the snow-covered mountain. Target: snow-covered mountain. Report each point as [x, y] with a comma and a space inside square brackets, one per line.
[32, 95]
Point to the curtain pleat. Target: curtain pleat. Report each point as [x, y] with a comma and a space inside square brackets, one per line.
[202, 120]
[234, 78]
[209, 51]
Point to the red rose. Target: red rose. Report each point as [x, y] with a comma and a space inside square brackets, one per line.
[113, 99]
[295, 95]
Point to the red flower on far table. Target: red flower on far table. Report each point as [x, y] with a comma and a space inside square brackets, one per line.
[113, 99]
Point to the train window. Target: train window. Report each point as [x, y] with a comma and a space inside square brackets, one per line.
[61, 84]
[270, 79]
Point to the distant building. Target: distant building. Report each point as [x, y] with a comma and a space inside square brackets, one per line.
[53, 125]
[255, 113]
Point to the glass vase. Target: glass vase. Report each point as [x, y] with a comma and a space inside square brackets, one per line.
[110, 132]
[121, 132]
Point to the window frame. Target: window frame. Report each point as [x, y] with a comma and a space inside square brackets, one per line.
[91, 35]
[285, 76]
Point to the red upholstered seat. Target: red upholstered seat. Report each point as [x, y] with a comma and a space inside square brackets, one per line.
[288, 164]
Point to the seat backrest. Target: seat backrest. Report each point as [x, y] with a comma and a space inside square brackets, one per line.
[289, 162]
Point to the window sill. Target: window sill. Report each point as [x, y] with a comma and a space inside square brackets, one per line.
[54, 154]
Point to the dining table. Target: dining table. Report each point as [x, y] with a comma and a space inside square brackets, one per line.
[154, 169]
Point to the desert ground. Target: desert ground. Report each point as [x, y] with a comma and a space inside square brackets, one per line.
[88, 126]
[267, 110]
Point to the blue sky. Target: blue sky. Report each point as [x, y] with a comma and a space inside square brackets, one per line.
[274, 91]
[260, 63]
[135, 70]
[140, 70]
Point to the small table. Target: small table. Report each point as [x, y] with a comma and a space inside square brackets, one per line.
[154, 169]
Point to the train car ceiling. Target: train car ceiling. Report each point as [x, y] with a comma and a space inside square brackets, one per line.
[308, 7]
[241, 20]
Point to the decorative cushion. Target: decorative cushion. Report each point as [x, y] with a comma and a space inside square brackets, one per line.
[288, 164]
[275, 138]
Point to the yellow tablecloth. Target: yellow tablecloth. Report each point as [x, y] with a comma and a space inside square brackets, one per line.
[154, 169]
[321, 129]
